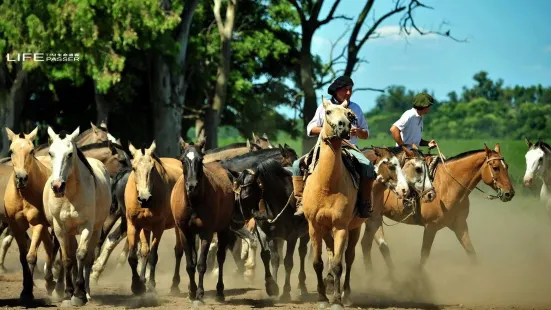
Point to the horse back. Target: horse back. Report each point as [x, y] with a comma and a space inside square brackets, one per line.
[103, 190]
[225, 154]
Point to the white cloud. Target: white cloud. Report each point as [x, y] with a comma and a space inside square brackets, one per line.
[395, 33]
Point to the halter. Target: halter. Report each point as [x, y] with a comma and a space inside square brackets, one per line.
[405, 157]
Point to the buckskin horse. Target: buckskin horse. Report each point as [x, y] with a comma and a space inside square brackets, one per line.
[453, 179]
[330, 196]
[76, 199]
[24, 208]
[148, 212]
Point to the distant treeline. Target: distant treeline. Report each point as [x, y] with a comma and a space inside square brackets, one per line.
[485, 110]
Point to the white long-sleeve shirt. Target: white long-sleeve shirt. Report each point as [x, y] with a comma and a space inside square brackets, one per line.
[319, 117]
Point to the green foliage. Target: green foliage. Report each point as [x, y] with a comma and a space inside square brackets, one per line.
[486, 110]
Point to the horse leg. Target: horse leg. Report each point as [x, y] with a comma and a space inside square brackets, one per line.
[101, 261]
[302, 252]
[428, 238]
[349, 255]
[211, 256]
[329, 279]
[19, 234]
[340, 239]
[58, 264]
[316, 234]
[367, 243]
[35, 243]
[153, 256]
[273, 245]
[461, 230]
[271, 286]
[291, 244]
[89, 261]
[191, 263]
[107, 226]
[138, 287]
[223, 239]
[178, 253]
[7, 239]
[385, 251]
[124, 253]
[85, 245]
[235, 247]
[144, 252]
[250, 262]
[48, 247]
[67, 258]
[206, 237]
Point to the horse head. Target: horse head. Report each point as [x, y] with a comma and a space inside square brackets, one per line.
[192, 162]
[338, 120]
[389, 171]
[537, 159]
[416, 171]
[63, 154]
[495, 173]
[21, 152]
[143, 164]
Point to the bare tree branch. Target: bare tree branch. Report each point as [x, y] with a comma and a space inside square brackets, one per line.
[331, 13]
[380, 90]
[300, 11]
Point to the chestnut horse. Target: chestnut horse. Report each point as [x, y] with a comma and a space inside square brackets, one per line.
[454, 179]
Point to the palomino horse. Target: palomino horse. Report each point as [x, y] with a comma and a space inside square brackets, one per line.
[147, 201]
[454, 179]
[330, 197]
[6, 236]
[24, 208]
[416, 172]
[76, 199]
[538, 164]
[92, 135]
[203, 204]
[266, 193]
[263, 141]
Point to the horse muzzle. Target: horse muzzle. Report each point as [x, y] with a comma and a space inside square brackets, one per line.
[58, 187]
[528, 181]
[506, 196]
[144, 200]
[21, 180]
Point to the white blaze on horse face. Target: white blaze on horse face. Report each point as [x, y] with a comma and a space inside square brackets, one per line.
[61, 154]
[190, 155]
[534, 164]
[143, 164]
[402, 186]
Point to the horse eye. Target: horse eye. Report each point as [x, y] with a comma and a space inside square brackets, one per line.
[70, 154]
[418, 170]
[328, 112]
[392, 167]
[541, 159]
[10, 152]
[495, 168]
[50, 153]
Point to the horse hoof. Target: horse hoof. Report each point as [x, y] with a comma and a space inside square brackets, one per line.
[197, 303]
[78, 302]
[50, 286]
[219, 298]
[66, 304]
[174, 291]
[323, 305]
[138, 287]
[3, 270]
[26, 296]
[285, 297]
[272, 289]
[337, 307]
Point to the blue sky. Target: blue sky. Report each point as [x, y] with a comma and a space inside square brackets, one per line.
[508, 39]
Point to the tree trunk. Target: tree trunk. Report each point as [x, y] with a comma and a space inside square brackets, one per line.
[215, 112]
[168, 90]
[102, 107]
[307, 83]
[12, 100]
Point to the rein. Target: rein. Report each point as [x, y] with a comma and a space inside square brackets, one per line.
[488, 196]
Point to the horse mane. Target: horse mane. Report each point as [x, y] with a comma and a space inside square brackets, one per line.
[540, 144]
[271, 172]
[258, 156]
[99, 145]
[86, 163]
[226, 147]
[464, 154]
[114, 183]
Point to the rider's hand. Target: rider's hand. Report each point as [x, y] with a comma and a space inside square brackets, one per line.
[432, 144]
[353, 131]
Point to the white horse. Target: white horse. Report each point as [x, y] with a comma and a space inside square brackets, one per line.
[538, 164]
[77, 197]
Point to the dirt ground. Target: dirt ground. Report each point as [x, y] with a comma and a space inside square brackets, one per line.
[514, 271]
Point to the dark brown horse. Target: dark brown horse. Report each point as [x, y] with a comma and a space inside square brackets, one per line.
[202, 202]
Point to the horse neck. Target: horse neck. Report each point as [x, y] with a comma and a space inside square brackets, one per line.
[38, 176]
[466, 170]
[330, 159]
[74, 179]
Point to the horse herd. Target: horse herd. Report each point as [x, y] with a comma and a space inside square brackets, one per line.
[84, 183]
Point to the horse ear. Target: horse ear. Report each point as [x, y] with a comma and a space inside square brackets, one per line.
[11, 134]
[131, 148]
[325, 102]
[32, 135]
[282, 150]
[497, 148]
[111, 147]
[119, 141]
[201, 144]
[376, 151]
[75, 133]
[249, 143]
[286, 146]
[345, 104]
[264, 136]
[94, 127]
[254, 137]
[51, 133]
[487, 149]
[528, 142]
[152, 147]
[103, 125]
